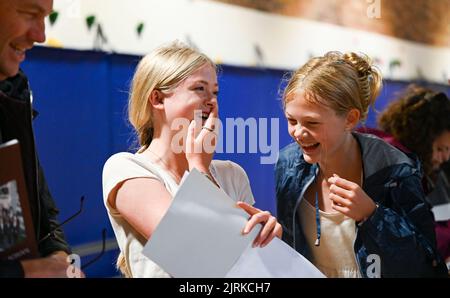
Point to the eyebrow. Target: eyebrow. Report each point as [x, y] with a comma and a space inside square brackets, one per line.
[305, 117]
[205, 82]
[36, 7]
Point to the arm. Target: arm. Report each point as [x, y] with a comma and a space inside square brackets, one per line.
[401, 231]
[55, 265]
[142, 202]
[11, 269]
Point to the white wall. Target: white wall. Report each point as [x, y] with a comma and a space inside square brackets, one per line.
[228, 34]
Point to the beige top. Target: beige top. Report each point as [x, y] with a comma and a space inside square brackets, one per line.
[123, 166]
[334, 256]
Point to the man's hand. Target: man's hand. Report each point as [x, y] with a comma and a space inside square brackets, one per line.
[55, 265]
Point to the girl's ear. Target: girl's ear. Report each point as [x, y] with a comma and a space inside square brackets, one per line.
[352, 119]
[156, 99]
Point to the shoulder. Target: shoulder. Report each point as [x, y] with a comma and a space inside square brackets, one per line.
[379, 156]
[227, 167]
[119, 160]
[234, 180]
[125, 165]
[378, 149]
[121, 156]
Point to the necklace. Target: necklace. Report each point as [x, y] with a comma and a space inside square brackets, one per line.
[172, 173]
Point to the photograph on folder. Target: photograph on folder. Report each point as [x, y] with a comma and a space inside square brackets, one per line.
[200, 236]
[17, 240]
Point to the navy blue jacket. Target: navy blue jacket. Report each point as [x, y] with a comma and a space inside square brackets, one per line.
[400, 231]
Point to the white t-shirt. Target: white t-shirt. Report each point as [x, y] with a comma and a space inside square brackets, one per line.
[123, 166]
[334, 256]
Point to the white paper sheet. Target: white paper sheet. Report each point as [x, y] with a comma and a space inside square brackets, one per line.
[441, 212]
[275, 260]
[200, 236]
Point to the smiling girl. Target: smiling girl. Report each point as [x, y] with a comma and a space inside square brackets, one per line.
[349, 202]
[173, 82]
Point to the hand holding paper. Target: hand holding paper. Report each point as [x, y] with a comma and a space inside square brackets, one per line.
[201, 236]
[271, 228]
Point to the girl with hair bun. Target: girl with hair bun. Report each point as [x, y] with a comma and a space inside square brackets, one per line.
[349, 202]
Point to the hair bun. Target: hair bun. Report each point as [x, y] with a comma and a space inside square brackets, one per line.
[361, 63]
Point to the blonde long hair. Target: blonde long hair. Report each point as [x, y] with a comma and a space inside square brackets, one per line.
[339, 81]
[162, 69]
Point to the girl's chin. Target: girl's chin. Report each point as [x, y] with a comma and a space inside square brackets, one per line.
[310, 159]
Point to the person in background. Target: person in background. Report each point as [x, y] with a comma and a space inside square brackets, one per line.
[418, 121]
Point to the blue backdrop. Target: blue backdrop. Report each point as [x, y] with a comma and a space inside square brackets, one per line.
[81, 97]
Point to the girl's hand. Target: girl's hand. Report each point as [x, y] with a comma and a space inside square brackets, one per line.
[349, 199]
[271, 227]
[201, 142]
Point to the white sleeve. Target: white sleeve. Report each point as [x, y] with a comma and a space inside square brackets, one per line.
[121, 167]
[244, 190]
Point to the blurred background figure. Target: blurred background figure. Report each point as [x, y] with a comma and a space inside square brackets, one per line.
[418, 122]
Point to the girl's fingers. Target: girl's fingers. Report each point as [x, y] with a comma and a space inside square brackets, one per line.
[248, 208]
[211, 120]
[268, 239]
[340, 201]
[270, 229]
[190, 137]
[342, 209]
[276, 232]
[256, 219]
[342, 183]
[266, 231]
[344, 193]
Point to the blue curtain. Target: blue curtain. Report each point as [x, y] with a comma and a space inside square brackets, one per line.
[81, 97]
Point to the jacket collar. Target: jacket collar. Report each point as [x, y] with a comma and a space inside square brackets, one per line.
[378, 155]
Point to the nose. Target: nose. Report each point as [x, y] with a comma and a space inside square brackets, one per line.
[37, 31]
[211, 100]
[299, 132]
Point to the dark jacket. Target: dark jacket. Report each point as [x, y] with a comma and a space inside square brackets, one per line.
[401, 229]
[16, 116]
[436, 188]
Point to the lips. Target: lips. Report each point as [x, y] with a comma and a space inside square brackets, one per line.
[19, 51]
[310, 148]
[205, 115]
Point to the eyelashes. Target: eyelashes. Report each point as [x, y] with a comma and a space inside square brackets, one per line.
[203, 89]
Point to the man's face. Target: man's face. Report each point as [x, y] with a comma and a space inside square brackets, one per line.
[21, 25]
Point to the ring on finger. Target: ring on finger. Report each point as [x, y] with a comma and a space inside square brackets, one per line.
[209, 129]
